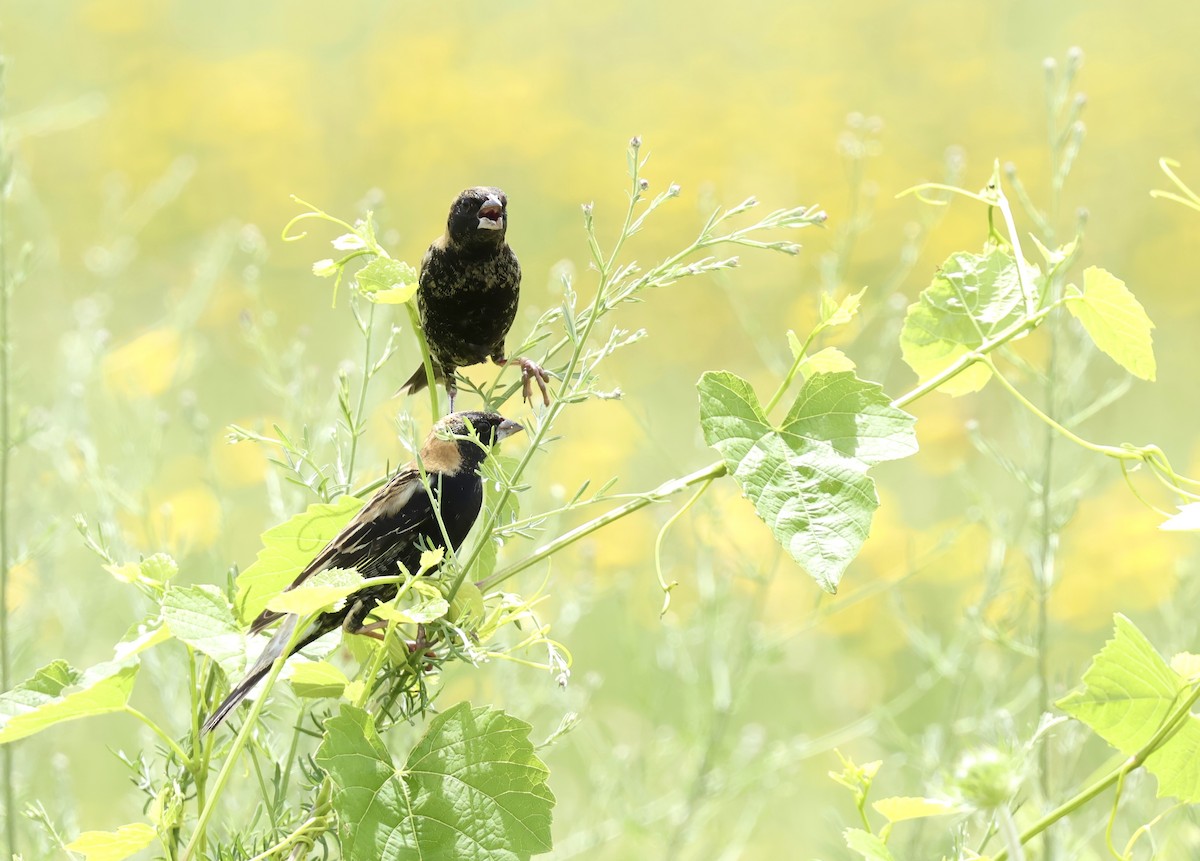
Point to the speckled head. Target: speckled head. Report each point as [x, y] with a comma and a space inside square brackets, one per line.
[479, 215]
[449, 448]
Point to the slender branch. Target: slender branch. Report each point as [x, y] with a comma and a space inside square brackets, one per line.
[361, 407]
[162, 734]
[241, 738]
[5, 451]
[1171, 725]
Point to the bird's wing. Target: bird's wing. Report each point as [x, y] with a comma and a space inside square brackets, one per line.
[398, 510]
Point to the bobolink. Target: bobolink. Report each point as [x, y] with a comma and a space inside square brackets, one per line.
[467, 295]
[390, 530]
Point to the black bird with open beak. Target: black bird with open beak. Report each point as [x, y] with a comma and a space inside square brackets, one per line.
[467, 295]
[391, 529]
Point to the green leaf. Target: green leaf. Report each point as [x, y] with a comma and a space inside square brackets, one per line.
[972, 298]
[1114, 320]
[428, 604]
[830, 360]
[316, 679]
[472, 789]
[158, 568]
[1127, 691]
[1187, 520]
[319, 592]
[202, 617]
[901, 808]
[57, 693]
[808, 478]
[287, 549]
[834, 313]
[113, 845]
[141, 636]
[867, 845]
[388, 281]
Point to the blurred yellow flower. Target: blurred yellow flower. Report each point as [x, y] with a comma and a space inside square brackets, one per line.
[21, 577]
[241, 464]
[147, 365]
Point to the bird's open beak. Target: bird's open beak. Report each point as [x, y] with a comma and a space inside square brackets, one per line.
[491, 215]
[507, 428]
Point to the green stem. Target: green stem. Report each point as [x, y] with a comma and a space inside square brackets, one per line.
[241, 738]
[360, 408]
[668, 488]
[426, 360]
[1173, 723]
[5, 447]
[187, 761]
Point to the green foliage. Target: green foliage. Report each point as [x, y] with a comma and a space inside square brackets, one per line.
[113, 845]
[319, 592]
[57, 693]
[1129, 695]
[1115, 320]
[202, 617]
[472, 788]
[973, 298]
[808, 477]
[287, 549]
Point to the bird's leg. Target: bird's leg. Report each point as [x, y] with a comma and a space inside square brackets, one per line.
[531, 372]
[451, 390]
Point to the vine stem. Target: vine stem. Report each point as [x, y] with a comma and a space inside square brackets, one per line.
[716, 470]
[243, 736]
[5, 450]
[361, 406]
[1171, 725]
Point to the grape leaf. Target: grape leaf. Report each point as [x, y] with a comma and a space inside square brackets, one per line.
[808, 478]
[1128, 691]
[316, 679]
[58, 692]
[287, 549]
[322, 590]
[972, 298]
[867, 845]
[1115, 320]
[388, 281]
[113, 845]
[201, 617]
[472, 789]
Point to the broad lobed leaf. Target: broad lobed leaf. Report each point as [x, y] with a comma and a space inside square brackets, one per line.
[472, 789]
[57, 693]
[1115, 321]
[287, 549]
[113, 845]
[807, 479]
[972, 298]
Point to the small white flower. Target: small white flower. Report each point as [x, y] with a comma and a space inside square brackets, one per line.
[349, 242]
[324, 268]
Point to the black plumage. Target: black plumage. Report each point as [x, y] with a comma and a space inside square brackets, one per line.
[468, 290]
[391, 529]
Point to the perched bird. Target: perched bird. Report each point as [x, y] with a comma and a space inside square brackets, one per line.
[467, 294]
[391, 528]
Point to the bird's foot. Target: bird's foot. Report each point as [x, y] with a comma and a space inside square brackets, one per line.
[531, 372]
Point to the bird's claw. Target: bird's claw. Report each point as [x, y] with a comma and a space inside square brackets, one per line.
[532, 372]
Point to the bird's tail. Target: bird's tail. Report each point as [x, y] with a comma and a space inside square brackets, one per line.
[420, 380]
[260, 669]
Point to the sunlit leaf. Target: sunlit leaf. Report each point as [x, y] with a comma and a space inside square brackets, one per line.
[867, 845]
[113, 845]
[423, 603]
[322, 591]
[1115, 320]
[1129, 690]
[287, 549]
[386, 280]
[1186, 665]
[830, 360]
[471, 789]
[900, 808]
[201, 617]
[835, 313]
[972, 298]
[316, 679]
[141, 636]
[57, 693]
[808, 478]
